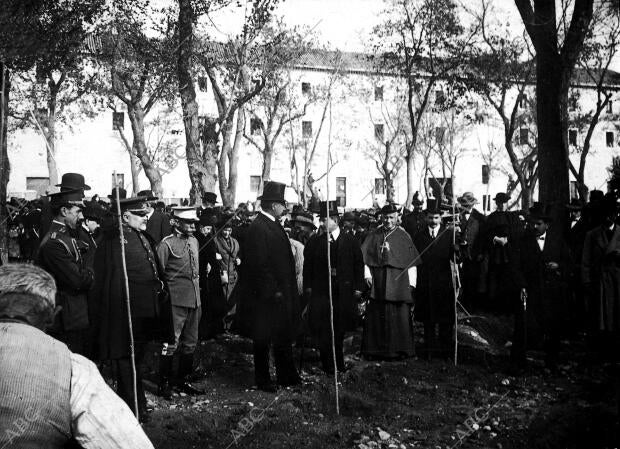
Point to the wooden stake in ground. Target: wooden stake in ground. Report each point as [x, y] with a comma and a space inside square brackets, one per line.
[132, 355]
[455, 282]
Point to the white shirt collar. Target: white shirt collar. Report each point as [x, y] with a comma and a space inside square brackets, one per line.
[433, 231]
[272, 218]
[542, 236]
[336, 233]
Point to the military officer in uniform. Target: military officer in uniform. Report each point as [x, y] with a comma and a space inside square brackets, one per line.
[61, 254]
[178, 264]
[150, 307]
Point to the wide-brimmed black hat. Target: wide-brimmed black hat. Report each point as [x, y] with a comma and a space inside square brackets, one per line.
[122, 194]
[333, 209]
[389, 208]
[273, 191]
[501, 197]
[304, 218]
[68, 197]
[209, 197]
[540, 211]
[72, 181]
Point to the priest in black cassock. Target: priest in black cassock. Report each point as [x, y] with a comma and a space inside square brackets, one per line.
[390, 258]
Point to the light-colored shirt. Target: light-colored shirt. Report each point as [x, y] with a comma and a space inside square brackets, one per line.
[541, 241]
[100, 419]
[433, 231]
[335, 234]
[412, 272]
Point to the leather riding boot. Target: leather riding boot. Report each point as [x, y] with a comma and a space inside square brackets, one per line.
[165, 374]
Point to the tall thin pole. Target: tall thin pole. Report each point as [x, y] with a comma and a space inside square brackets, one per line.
[455, 282]
[132, 354]
[329, 262]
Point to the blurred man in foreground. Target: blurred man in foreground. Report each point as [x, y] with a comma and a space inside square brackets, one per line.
[50, 396]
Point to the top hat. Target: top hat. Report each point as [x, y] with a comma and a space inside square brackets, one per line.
[433, 206]
[209, 197]
[416, 201]
[333, 209]
[304, 218]
[72, 181]
[185, 214]
[147, 195]
[389, 208]
[122, 194]
[501, 197]
[596, 195]
[575, 204]
[468, 199]
[540, 211]
[71, 197]
[273, 191]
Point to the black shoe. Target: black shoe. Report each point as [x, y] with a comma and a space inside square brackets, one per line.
[188, 388]
[268, 387]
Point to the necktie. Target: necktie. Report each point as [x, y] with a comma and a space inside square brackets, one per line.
[541, 238]
[331, 238]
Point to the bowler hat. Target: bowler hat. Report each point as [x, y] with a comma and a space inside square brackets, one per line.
[540, 211]
[389, 208]
[72, 181]
[209, 197]
[501, 197]
[273, 191]
[333, 209]
[72, 197]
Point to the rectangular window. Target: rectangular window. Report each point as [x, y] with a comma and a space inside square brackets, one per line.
[341, 192]
[255, 126]
[306, 130]
[378, 93]
[572, 137]
[306, 89]
[523, 136]
[485, 174]
[118, 120]
[609, 139]
[119, 181]
[610, 107]
[379, 134]
[254, 184]
[379, 186]
[440, 134]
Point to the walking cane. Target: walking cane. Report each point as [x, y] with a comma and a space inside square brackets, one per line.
[132, 355]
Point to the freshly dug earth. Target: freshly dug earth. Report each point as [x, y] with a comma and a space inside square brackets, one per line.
[406, 404]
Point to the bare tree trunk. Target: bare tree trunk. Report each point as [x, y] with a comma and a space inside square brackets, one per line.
[201, 177]
[49, 134]
[229, 159]
[5, 167]
[267, 159]
[134, 162]
[136, 118]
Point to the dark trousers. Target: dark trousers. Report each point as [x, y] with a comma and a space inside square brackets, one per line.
[124, 378]
[519, 337]
[443, 344]
[283, 357]
[327, 357]
[470, 279]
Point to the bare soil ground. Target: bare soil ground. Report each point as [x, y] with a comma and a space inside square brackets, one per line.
[407, 404]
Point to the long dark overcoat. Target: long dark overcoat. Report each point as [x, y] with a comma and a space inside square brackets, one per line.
[269, 268]
[547, 289]
[349, 265]
[601, 276]
[434, 291]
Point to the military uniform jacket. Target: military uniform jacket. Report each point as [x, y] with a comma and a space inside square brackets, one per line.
[178, 262]
[60, 255]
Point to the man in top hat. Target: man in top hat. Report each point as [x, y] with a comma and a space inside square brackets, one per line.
[158, 223]
[415, 220]
[545, 272]
[269, 310]
[601, 277]
[303, 227]
[390, 259]
[501, 234]
[62, 255]
[347, 283]
[470, 249]
[179, 267]
[150, 305]
[435, 302]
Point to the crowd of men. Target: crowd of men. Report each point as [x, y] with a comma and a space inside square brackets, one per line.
[130, 271]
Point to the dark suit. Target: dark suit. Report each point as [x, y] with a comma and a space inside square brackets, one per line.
[546, 288]
[434, 289]
[269, 309]
[414, 222]
[347, 276]
[470, 249]
[576, 239]
[158, 226]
